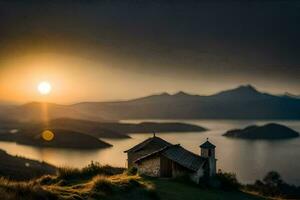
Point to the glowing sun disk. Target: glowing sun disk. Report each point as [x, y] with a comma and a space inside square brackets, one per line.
[44, 88]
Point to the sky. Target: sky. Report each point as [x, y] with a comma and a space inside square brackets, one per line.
[112, 49]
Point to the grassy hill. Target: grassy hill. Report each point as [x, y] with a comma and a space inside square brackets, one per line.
[105, 182]
[173, 190]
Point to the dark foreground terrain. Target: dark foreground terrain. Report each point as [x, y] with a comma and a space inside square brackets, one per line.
[105, 182]
[26, 179]
[18, 168]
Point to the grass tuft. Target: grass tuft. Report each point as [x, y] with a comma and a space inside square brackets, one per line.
[104, 185]
[93, 169]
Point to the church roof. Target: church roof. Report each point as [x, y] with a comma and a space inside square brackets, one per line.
[178, 154]
[155, 141]
[207, 145]
[184, 157]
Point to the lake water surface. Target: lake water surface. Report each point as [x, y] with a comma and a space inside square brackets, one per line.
[249, 159]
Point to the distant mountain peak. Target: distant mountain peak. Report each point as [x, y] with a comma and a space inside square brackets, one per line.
[241, 91]
[290, 95]
[244, 89]
[37, 103]
[165, 94]
[181, 93]
[249, 88]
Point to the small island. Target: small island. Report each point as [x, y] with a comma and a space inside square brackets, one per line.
[119, 129]
[58, 138]
[149, 127]
[270, 131]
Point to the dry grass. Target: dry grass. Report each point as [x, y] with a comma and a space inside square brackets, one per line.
[10, 190]
[93, 169]
[106, 183]
[119, 186]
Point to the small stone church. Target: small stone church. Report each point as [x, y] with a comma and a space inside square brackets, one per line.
[158, 158]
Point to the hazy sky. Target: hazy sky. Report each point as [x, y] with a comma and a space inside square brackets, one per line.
[103, 50]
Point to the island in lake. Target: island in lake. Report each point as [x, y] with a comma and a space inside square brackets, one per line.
[269, 131]
[83, 134]
[120, 129]
[58, 138]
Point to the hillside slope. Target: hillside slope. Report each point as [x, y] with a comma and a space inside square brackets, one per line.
[19, 168]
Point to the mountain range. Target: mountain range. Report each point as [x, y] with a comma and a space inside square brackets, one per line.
[243, 102]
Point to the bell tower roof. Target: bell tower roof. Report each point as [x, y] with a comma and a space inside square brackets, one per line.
[207, 145]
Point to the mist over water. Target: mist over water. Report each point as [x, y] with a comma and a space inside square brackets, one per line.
[249, 159]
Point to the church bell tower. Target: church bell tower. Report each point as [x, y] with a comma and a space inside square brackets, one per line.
[208, 151]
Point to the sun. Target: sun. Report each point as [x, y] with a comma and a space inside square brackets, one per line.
[44, 88]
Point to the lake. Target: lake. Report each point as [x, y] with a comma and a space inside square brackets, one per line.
[249, 159]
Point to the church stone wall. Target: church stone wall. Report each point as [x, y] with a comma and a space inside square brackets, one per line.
[150, 167]
[133, 156]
